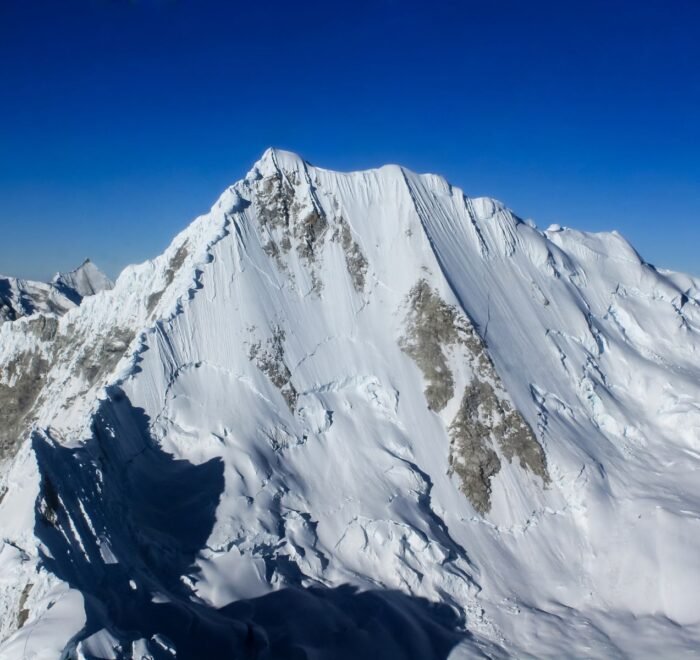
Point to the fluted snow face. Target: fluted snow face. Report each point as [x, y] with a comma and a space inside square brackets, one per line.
[366, 379]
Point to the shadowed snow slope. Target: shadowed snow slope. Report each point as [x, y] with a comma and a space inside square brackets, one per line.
[356, 415]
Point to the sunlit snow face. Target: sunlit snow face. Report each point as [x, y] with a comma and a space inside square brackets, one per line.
[348, 398]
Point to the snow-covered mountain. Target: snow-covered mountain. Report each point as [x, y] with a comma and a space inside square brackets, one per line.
[357, 415]
[86, 280]
[20, 297]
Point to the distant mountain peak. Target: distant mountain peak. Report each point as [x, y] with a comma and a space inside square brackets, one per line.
[19, 297]
[85, 280]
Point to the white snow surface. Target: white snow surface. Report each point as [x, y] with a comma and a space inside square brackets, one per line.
[179, 491]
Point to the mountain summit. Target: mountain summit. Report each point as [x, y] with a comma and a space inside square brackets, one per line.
[86, 280]
[356, 414]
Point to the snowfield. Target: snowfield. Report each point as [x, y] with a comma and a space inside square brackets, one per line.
[354, 415]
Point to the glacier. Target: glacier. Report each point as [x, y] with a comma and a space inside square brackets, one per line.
[355, 413]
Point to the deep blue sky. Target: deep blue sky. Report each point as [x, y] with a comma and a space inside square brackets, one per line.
[120, 121]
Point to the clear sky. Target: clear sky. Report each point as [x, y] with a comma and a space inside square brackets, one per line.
[122, 120]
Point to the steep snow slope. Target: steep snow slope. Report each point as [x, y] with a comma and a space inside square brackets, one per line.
[20, 298]
[357, 414]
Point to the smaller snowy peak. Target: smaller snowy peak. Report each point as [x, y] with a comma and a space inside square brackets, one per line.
[86, 280]
[20, 298]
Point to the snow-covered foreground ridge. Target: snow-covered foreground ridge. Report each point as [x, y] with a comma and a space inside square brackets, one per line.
[356, 415]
